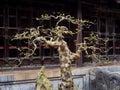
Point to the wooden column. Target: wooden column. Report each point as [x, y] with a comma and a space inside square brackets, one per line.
[79, 35]
[6, 34]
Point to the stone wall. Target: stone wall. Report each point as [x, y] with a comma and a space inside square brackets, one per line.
[80, 75]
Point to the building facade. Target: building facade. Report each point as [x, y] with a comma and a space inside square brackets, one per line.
[15, 16]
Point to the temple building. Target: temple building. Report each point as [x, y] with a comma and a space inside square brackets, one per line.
[16, 15]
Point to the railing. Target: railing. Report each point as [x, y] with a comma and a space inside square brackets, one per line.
[11, 84]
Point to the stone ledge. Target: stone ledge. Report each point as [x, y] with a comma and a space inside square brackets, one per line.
[50, 72]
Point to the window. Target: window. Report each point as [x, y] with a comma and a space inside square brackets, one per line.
[14, 19]
[1, 53]
[1, 21]
[1, 17]
[23, 18]
[117, 26]
[12, 32]
[110, 26]
[13, 53]
[117, 46]
[102, 25]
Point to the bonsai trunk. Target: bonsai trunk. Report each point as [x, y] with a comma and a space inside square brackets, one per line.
[65, 67]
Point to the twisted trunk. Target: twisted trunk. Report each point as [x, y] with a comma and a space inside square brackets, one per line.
[65, 66]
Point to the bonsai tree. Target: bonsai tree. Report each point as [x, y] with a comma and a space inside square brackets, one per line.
[55, 36]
